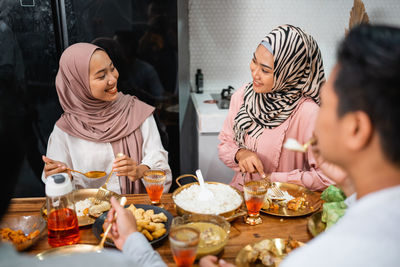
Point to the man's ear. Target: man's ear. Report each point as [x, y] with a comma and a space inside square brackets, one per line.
[359, 130]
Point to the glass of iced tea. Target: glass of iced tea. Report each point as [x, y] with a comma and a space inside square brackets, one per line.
[154, 182]
[254, 194]
[183, 241]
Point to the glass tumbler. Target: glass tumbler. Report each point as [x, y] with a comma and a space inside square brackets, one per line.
[154, 182]
[183, 242]
[254, 194]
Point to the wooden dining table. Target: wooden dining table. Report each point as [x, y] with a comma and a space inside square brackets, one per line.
[241, 233]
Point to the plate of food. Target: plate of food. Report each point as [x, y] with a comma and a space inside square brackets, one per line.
[297, 201]
[152, 221]
[85, 208]
[267, 252]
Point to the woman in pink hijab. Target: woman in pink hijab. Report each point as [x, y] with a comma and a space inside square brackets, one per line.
[98, 123]
[281, 102]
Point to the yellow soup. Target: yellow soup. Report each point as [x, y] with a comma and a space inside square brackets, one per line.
[212, 238]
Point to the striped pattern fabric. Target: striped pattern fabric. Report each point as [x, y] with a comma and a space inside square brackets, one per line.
[298, 72]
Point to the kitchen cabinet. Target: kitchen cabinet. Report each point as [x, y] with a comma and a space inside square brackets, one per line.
[208, 121]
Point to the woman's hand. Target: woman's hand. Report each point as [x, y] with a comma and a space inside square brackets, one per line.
[125, 166]
[52, 167]
[124, 225]
[212, 261]
[249, 162]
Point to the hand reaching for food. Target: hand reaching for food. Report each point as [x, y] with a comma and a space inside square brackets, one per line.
[249, 162]
[52, 167]
[125, 166]
[124, 225]
[212, 261]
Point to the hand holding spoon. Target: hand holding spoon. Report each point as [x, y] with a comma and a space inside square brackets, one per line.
[91, 174]
[294, 145]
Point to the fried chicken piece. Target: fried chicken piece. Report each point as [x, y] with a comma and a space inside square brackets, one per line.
[296, 203]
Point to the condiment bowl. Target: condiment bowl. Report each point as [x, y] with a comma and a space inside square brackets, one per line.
[28, 224]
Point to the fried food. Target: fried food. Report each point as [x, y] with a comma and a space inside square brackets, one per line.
[296, 203]
[17, 237]
[97, 210]
[149, 224]
[147, 235]
[291, 244]
[159, 218]
[269, 254]
[159, 233]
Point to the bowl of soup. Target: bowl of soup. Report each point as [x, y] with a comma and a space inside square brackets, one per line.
[214, 231]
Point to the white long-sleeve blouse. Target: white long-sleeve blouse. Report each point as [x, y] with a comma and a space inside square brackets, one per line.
[84, 156]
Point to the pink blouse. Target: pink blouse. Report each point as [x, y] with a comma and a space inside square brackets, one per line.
[283, 165]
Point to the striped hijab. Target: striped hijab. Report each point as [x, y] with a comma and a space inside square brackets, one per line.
[298, 72]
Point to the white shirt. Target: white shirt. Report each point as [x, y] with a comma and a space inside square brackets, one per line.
[367, 235]
[85, 156]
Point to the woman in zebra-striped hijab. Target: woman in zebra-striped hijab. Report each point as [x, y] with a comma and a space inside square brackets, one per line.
[281, 102]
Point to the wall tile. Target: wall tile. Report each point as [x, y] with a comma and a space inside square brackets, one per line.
[223, 34]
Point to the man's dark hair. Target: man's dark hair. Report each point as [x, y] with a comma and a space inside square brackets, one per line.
[368, 80]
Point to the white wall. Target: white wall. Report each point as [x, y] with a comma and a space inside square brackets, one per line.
[223, 34]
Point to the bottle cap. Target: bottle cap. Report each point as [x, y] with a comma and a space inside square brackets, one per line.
[58, 184]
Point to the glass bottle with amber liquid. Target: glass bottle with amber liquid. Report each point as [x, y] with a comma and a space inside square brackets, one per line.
[62, 222]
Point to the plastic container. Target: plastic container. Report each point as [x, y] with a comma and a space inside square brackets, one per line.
[199, 82]
[62, 222]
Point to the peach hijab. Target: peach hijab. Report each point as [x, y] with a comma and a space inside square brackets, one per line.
[116, 122]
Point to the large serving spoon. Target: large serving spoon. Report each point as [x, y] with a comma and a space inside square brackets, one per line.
[204, 194]
[294, 145]
[91, 174]
[79, 248]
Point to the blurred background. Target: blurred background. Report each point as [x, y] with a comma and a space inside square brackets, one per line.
[157, 46]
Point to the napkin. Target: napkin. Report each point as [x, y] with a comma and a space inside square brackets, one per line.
[334, 207]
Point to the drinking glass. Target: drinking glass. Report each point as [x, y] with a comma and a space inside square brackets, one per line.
[154, 182]
[254, 194]
[183, 241]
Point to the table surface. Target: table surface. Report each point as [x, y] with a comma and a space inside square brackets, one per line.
[241, 233]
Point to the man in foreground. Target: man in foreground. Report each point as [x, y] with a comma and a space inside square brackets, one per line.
[358, 129]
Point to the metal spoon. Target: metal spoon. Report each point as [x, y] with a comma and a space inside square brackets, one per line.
[103, 239]
[294, 145]
[91, 174]
[204, 194]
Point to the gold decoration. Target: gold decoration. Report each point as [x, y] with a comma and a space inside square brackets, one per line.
[358, 15]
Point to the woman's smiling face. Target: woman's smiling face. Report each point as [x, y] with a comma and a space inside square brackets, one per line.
[103, 77]
[262, 70]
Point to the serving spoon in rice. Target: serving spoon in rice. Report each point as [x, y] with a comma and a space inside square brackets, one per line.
[204, 194]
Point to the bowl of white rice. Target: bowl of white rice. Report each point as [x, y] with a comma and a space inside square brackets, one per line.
[226, 201]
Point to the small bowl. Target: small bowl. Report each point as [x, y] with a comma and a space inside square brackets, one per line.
[27, 224]
[220, 227]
